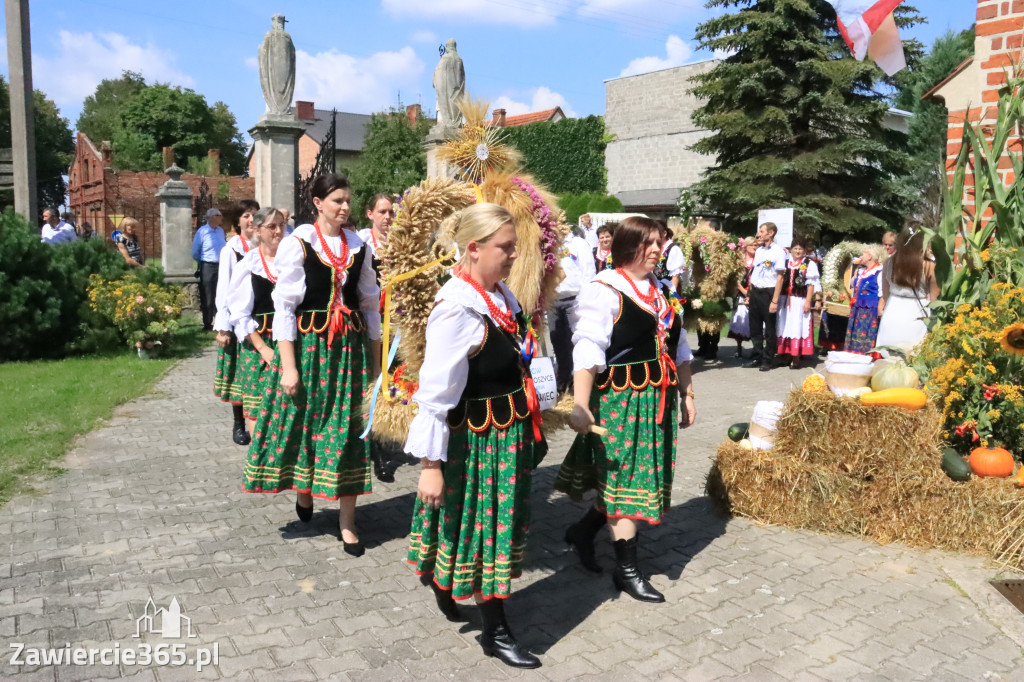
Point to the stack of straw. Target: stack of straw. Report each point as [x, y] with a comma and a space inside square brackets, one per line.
[841, 467]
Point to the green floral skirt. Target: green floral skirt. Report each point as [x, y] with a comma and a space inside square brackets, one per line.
[475, 542]
[251, 372]
[310, 442]
[631, 468]
[225, 381]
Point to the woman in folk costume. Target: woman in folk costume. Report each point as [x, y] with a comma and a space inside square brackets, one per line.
[603, 250]
[671, 262]
[252, 310]
[476, 432]
[226, 384]
[739, 325]
[796, 337]
[630, 362]
[327, 329]
[866, 304]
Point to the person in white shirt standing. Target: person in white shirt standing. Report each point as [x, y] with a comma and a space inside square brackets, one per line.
[56, 230]
[578, 265]
[589, 232]
[766, 279]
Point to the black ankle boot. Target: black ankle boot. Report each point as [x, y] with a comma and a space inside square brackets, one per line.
[497, 639]
[444, 600]
[581, 536]
[238, 432]
[628, 577]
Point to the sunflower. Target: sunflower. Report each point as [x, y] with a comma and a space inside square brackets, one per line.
[1012, 338]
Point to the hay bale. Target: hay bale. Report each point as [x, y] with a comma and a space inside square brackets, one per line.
[841, 467]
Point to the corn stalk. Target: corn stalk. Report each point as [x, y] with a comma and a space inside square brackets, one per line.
[998, 213]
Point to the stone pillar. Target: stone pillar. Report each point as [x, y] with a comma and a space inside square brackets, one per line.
[23, 138]
[176, 228]
[436, 168]
[275, 153]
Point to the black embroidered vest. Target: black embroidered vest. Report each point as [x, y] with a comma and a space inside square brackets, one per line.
[314, 312]
[494, 394]
[262, 303]
[633, 357]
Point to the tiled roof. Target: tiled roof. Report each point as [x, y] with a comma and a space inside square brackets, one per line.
[532, 117]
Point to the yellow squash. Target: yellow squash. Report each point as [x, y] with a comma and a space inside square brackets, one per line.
[907, 398]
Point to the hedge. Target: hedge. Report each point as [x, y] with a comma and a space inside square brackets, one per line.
[567, 156]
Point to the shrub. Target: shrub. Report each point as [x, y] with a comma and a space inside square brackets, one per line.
[567, 155]
[32, 293]
[576, 205]
[146, 314]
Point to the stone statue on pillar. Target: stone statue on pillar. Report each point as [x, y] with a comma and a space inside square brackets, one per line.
[275, 149]
[450, 86]
[277, 68]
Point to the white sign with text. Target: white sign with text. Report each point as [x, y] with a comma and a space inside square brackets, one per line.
[543, 371]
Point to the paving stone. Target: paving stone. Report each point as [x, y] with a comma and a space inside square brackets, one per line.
[157, 511]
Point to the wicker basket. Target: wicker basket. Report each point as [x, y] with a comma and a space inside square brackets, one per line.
[837, 309]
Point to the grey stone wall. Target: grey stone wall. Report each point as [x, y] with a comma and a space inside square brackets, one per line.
[649, 114]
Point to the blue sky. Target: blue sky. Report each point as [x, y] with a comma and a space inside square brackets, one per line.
[367, 55]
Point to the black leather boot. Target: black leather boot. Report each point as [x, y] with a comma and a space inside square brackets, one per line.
[381, 466]
[497, 639]
[581, 536]
[238, 432]
[628, 577]
[445, 603]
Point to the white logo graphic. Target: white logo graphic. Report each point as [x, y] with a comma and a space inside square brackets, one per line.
[170, 621]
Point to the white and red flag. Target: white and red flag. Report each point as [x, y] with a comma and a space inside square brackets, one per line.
[870, 31]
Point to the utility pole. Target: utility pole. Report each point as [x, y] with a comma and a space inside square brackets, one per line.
[23, 136]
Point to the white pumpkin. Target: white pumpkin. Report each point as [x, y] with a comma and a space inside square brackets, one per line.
[895, 375]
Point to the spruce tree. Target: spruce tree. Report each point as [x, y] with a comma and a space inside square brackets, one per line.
[795, 122]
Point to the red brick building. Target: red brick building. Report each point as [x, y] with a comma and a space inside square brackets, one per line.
[96, 192]
[971, 92]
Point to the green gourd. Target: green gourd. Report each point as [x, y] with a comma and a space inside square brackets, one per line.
[738, 431]
[955, 466]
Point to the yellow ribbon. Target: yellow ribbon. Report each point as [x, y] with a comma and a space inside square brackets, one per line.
[386, 322]
[479, 194]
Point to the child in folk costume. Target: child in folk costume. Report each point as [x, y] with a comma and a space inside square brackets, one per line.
[796, 335]
[327, 329]
[477, 433]
[739, 326]
[252, 310]
[603, 250]
[630, 362]
[226, 383]
[866, 305]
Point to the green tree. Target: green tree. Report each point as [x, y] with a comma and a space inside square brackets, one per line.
[101, 111]
[392, 159]
[795, 121]
[927, 138]
[140, 119]
[55, 147]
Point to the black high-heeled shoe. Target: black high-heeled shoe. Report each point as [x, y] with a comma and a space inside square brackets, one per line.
[305, 514]
[352, 548]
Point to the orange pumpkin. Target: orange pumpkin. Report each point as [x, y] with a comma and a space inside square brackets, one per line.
[995, 462]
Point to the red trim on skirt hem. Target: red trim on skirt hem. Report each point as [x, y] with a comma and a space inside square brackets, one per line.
[306, 492]
[634, 518]
[448, 589]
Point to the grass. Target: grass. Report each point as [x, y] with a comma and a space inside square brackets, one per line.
[48, 403]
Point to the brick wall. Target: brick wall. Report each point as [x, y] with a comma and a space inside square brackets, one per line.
[649, 115]
[96, 193]
[971, 94]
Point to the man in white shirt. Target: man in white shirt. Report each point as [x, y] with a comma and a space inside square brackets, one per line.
[765, 286]
[588, 230]
[56, 230]
[577, 260]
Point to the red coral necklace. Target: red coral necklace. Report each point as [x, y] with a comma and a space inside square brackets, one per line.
[339, 263]
[505, 319]
[652, 299]
[273, 280]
